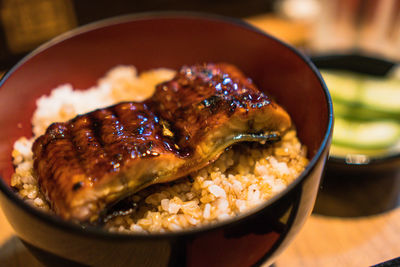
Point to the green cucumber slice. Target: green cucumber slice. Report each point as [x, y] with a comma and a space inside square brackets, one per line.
[343, 86]
[381, 95]
[359, 112]
[366, 135]
[377, 94]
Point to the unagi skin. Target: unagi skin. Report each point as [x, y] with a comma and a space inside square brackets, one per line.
[89, 163]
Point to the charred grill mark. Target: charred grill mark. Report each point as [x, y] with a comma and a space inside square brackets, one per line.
[55, 132]
[90, 152]
[59, 165]
[111, 135]
[121, 149]
[77, 185]
[93, 154]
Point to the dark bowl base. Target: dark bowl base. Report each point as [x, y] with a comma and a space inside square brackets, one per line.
[349, 195]
[49, 259]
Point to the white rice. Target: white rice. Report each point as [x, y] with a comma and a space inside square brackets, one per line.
[240, 179]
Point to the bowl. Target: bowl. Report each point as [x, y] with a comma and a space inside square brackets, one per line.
[359, 185]
[168, 40]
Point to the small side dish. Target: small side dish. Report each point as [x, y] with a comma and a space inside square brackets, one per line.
[157, 165]
[367, 114]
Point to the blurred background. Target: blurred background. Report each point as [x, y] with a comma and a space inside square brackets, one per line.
[25, 24]
[317, 26]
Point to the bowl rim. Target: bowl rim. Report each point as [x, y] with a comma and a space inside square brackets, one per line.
[98, 232]
[386, 160]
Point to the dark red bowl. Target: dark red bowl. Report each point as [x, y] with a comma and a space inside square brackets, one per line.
[168, 40]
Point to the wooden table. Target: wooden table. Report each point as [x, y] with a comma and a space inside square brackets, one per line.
[323, 241]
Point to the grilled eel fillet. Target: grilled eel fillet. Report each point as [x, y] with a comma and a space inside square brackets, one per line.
[96, 159]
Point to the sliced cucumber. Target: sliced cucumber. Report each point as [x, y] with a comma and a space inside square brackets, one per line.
[376, 94]
[381, 95]
[341, 109]
[367, 113]
[359, 112]
[343, 86]
[365, 135]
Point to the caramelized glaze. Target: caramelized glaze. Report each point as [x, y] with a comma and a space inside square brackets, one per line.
[92, 161]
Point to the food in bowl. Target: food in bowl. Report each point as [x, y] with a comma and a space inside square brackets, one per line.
[367, 114]
[228, 109]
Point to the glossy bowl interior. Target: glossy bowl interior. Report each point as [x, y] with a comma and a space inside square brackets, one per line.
[168, 40]
[359, 188]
